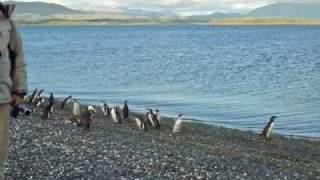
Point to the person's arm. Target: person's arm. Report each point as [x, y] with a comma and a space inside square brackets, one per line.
[19, 75]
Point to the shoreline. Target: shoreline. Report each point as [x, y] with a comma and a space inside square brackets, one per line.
[219, 125]
[218, 23]
[51, 149]
[166, 24]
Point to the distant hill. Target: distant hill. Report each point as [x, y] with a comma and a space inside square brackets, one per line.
[146, 13]
[288, 10]
[265, 21]
[206, 18]
[32, 12]
[41, 9]
[277, 10]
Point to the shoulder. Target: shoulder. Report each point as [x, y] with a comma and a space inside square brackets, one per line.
[5, 29]
[6, 23]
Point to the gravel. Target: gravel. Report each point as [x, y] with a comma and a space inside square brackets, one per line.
[51, 149]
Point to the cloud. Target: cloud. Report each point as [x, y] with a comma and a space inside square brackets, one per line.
[170, 5]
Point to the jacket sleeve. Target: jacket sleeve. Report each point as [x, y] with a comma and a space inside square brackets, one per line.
[19, 73]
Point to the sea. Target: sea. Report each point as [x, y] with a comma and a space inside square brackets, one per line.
[230, 76]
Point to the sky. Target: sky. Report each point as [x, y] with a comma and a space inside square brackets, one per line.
[178, 6]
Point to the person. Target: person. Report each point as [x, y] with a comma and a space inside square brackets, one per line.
[13, 77]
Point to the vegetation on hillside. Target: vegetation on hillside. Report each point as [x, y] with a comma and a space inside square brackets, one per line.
[265, 21]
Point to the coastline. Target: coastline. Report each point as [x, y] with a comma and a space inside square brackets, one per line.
[50, 149]
[265, 22]
[218, 22]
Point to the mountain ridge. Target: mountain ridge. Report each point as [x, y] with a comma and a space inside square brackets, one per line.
[42, 10]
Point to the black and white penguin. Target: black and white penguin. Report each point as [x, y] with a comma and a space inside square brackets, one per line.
[38, 95]
[153, 119]
[32, 97]
[146, 120]
[178, 123]
[37, 98]
[158, 116]
[47, 111]
[76, 108]
[268, 129]
[86, 118]
[39, 102]
[115, 114]
[105, 109]
[92, 109]
[65, 102]
[141, 124]
[125, 110]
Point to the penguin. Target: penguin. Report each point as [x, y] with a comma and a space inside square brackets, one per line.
[65, 102]
[125, 110]
[47, 111]
[26, 99]
[76, 108]
[140, 124]
[153, 119]
[105, 109]
[92, 109]
[86, 118]
[158, 116]
[32, 97]
[40, 101]
[150, 116]
[177, 124]
[51, 101]
[37, 98]
[266, 132]
[37, 102]
[146, 120]
[38, 95]
[115, 114]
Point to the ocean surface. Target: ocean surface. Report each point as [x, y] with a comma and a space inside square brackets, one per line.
[234, 76]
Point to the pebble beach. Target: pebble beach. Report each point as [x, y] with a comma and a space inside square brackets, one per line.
[51, 149]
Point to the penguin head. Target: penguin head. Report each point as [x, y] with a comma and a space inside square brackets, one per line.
[51, 95]
[117, 108]
[157, 111]
[41, 91]
[125, 101]
[273, 118]
[180, 115]
[150, 110]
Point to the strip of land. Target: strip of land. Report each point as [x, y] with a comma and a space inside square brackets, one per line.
[265, 21]
[51, 149]
[166, 21]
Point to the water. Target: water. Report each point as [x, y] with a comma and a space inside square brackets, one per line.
[234, 76]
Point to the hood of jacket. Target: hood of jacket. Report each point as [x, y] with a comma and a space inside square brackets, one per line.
[6, 10]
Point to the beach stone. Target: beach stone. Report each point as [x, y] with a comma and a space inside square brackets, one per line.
[53, 150]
